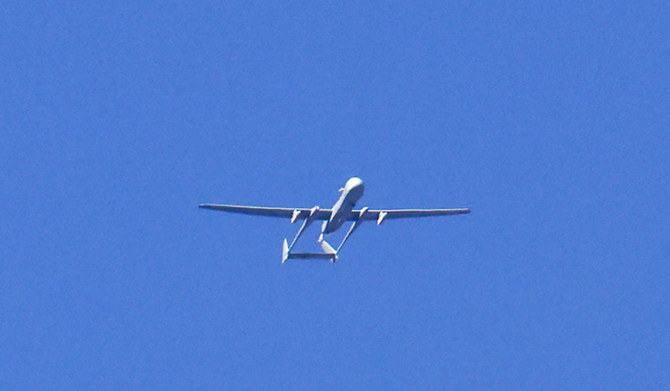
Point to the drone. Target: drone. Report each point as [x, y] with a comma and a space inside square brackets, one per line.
[332, 218]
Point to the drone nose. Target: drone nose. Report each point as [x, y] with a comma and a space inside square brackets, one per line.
[354, 181]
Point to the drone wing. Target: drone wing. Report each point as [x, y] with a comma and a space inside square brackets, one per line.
[291, 213]
[381, 215]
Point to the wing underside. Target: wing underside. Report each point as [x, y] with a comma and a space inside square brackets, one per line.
[291, 213]
[373, 214]
[324, 214]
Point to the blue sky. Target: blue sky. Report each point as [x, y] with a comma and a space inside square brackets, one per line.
[550, 120]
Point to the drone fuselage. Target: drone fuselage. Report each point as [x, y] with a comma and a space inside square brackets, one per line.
[351, 193]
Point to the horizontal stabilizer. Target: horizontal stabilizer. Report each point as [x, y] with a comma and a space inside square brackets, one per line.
[286, 253]
[311, 256]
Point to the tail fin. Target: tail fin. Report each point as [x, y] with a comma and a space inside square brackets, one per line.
[284, 253]
[327, 248]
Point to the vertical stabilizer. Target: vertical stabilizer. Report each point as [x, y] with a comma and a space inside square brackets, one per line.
[327, 248]
[284, 253]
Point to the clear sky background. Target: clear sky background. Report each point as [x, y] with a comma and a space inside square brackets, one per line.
[550, 120]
